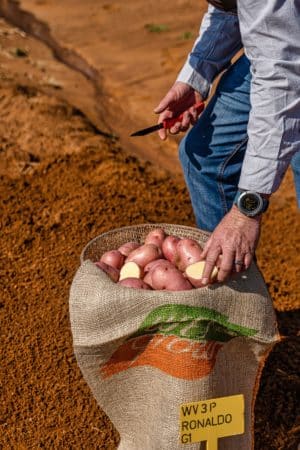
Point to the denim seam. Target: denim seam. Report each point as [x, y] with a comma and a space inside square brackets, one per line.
[220, 178]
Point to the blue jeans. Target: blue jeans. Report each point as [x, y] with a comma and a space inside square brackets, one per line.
[212, 152]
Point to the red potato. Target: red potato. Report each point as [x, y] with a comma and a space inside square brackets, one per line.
[156, 237]
[130, 270]
[188, 252]
[169, 279]
[163, 263]
[112, 272]
[144, 254]
[148, 279]
[169, 248]
[128, 247]
[113, 258]
[135, 283]
[194, 273]
[148, 267]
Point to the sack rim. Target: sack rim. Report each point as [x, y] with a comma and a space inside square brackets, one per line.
[137, 227]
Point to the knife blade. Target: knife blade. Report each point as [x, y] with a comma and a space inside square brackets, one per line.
[167, 123]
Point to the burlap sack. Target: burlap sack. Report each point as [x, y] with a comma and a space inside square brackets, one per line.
[146, 353]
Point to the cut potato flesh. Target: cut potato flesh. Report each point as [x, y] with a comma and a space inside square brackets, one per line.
[194, 273]
[130, 270]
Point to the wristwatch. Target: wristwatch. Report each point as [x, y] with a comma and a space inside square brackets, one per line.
[251, 203]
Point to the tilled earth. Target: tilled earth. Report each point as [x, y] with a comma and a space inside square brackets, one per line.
[63, 183]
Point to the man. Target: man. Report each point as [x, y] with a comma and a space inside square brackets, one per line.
[233, 147]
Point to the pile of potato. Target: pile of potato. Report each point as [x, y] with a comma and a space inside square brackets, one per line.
[162, 262]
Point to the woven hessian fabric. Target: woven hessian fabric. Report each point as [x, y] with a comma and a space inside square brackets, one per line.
[144, 353]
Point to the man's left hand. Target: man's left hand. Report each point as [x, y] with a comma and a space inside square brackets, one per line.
[231, 246]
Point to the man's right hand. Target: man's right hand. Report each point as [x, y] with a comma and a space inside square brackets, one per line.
[180, 99]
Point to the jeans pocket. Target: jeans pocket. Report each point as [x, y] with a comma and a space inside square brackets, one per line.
[229, 174]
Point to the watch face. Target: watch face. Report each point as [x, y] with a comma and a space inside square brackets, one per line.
[250, 203]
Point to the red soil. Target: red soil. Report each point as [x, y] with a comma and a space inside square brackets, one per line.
[63, 183]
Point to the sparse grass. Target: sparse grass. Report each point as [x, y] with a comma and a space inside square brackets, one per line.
[156, 28]
[187, 35]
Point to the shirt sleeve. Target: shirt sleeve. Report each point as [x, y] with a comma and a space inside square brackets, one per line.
[270, 32]
[218, 41]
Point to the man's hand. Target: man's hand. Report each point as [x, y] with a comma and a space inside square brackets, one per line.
[231, 246]
[180, 99]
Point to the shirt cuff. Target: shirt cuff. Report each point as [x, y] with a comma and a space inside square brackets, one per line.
[262, 175]
[189, 76]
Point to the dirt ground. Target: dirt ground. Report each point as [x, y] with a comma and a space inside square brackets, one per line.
[66, 178]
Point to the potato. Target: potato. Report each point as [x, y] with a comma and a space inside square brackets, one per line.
[152, 265]
[155, 237]
[148, 267]
[126, 248]
[112, 272]
[219, 261]
[169, 279]
[188, 252]
[194, 273]
[148, 279]
[169, 248]
[135, 283]
[144, 254]
[113, 258]
[130, 270]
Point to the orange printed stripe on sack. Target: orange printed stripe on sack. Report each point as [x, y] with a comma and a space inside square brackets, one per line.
[180, 358]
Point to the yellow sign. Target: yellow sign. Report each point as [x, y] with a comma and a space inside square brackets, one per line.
[211, 419]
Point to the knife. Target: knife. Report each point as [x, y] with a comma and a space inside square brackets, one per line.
[167, 123]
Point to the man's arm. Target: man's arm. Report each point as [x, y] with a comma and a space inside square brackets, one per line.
[270, 32]
[218, 41]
